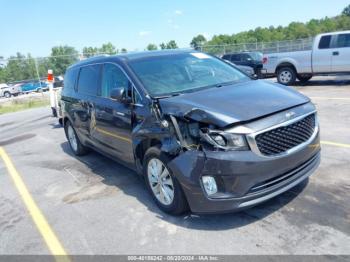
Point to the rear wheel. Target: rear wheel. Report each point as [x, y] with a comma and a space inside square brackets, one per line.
[286, 76]
[7, 94]
[162, 184]
[77, 147]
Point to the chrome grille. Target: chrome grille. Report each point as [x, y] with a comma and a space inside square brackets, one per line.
[281, 139]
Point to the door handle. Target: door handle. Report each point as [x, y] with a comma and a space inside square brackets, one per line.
[335, 53]
[119, 113]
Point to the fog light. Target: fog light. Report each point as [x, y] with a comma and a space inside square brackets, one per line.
[209, 184]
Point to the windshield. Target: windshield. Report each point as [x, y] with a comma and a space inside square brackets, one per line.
[186, 72]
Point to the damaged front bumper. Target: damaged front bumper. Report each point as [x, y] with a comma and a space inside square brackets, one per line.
[244, 178]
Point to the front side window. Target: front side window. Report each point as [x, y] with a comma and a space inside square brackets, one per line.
[88, 82]
[137, 97]
[113, 77]
[325, 42]
[343, 40]
[256, 56]
[246, 58]
[186, 72]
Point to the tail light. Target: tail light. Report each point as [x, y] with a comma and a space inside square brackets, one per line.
[264, 60]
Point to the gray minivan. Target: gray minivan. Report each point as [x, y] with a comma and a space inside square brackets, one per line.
[202, 134]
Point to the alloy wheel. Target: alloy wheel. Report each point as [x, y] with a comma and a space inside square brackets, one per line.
[285, 77]
[72, 138]
[160, 181]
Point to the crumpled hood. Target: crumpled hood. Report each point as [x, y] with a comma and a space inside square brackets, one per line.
[234, 103]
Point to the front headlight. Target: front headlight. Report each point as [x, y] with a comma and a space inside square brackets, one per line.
[224, 140]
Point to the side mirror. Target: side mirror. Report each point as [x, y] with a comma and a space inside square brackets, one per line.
[254, 77]
[120, 95]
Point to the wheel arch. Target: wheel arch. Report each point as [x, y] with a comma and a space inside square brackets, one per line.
[143, 145]
[286, 64]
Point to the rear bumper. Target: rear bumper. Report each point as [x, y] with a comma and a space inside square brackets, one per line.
[244, 179]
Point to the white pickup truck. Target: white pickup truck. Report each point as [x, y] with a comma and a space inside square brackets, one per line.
[330, 54]
[8, 91]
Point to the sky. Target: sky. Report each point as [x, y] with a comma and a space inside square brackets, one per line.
[34, 26]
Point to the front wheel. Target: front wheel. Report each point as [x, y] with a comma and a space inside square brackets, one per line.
[7, 94]
[286, 76]
[162, 184]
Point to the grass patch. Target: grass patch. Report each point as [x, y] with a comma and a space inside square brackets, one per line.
[19, 105]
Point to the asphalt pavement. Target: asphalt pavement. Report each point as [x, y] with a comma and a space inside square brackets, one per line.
[96, 206]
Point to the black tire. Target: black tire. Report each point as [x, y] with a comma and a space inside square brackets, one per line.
[7, 94]
[179, 204]
[304, 78]
[286, 76]
[79, 149]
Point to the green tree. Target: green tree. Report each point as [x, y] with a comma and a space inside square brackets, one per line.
[3, 72]
[293, 31]
[151, 47]
[162, 46]
[346, 11]
[90, 51]
[108, 49]
[198, 41]
[20, 67]
[171, 45]
[61, 58]
[43, 66]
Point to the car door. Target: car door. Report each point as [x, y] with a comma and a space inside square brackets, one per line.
[236, 59]
[112, 119]
[87, 89]
[341, 53]
[322, 55]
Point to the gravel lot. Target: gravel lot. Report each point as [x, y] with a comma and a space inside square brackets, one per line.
[96, 206]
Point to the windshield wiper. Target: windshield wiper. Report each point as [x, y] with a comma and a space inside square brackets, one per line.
[221, 84]
[167, 96]
[226, 83]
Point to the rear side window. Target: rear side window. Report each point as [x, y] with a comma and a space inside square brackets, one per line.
[236, 58]
[226, 57]
[89, 79]
[70, 78]
[325, 42]
[343, 40]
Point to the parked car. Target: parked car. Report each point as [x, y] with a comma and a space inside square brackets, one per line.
[34, 86]
[9, 90]
[202, 134]
[249, 71]
[330, 55]
[251, 59]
